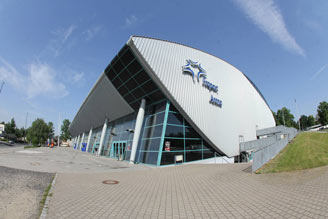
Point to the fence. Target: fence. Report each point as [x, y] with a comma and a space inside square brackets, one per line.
[276, 138]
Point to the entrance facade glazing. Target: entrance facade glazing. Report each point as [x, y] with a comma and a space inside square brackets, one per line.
[165, 136]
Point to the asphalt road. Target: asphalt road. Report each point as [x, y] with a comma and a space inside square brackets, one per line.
[21, 192]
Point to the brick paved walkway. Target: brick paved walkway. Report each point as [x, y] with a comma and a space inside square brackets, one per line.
[192, 191]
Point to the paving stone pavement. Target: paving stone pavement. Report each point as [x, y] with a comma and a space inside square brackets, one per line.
[192, 191]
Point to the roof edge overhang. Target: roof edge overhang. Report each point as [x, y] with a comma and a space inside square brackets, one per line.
[102, 75]
[158, 82]
[181, 44]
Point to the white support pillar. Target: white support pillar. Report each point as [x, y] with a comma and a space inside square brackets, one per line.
[102, 137]
[137, 130]
[89, 139]
[77, 143]
[74, 140]
[82, 141]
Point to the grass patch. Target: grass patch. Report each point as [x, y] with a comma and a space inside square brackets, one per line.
[307, 150]
[45, 195]
[30, 146]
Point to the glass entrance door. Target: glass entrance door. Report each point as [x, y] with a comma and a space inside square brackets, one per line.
[118, 150]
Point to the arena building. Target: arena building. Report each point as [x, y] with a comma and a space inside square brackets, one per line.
[160, 103]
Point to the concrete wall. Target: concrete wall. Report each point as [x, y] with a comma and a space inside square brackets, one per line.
[214, 160]
[256, 144]
[264, 154]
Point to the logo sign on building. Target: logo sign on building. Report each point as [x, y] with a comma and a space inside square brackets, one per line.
[195, 70]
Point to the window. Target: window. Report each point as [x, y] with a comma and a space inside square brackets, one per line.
[155, 119]
[134, 67]
[152, 132]
[208, 154]
[193, 144]
[174, 131]
[151, 144]
[173, 144]
[193, 155]
[123, 90]
[118, 66]
[149, 86]
[127, 57]
[148, 157]
[169, 157]
[191, 133]
[131, 84]
[124, 75]
[110, 73]
[175, 118]
[141, 77]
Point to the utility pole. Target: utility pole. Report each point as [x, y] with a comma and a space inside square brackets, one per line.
[58, 128]
[283, 116]
[298, 115]
[25, 126]
[1, 86]
[26, 119]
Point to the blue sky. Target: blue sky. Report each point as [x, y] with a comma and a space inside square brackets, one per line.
[52, 52]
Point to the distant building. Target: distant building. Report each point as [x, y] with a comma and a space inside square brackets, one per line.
[2, 129]
[316, 127]
[160, 102]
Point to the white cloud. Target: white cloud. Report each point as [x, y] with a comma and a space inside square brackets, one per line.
[9, 74]
[266, 15]
[320, 70]
[130, 20]
[92, 32]
[63, 34]
[313, 25]
[78, 77]
[40, 80]
[60, 39]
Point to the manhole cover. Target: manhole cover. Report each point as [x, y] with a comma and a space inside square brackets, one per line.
[35, 164]
[110, 182]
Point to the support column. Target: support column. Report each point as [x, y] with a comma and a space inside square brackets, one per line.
[89, 138]
[102, 137]
[73, 141]
[82, 141]
[137, 130]
[159, 158]
[77, 143]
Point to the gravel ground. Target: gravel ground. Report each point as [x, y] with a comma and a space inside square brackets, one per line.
[21, 192]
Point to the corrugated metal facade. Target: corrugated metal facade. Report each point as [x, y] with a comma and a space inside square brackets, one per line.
[243, 110]
[242, 113]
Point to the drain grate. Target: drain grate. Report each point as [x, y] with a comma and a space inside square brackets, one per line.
[110, 182]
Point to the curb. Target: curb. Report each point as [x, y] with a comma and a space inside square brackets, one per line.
[46, 204]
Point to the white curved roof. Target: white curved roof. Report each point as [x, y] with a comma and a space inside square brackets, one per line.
[243, 108]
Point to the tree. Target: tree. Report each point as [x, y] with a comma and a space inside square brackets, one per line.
[323, 113]
[51, 131]
[64, 130]
[284, 117]
[10, 127]
[307, 121]
[310, 121]
[303, 121]
[38, 132]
